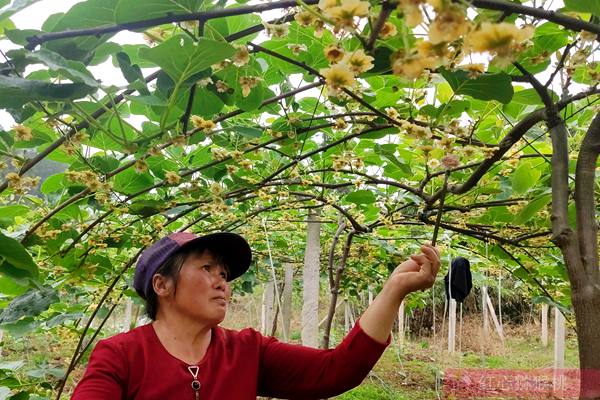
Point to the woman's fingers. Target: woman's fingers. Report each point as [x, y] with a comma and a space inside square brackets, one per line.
[408, 266]
[429, 263]
[427, 275]
[434, 256]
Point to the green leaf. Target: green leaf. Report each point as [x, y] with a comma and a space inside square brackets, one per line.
[30, 304]
[530, 97]
[19, 36]
[10, 212]
[19, 276]
[252, 101]
[129, 181]
[18, 91]
[237, 23]
[549, 37]
[146, 208]
[497, 86]
[11, 287]
[53, 183]
[86, 14]
[104, 164]
[180, 58]
[361, 197]
[585, 6]
[6, 25]
[13, 252]
[532, 208]
[524, 177]
[102, 52]
[132, 73]
[206, 103]
[247, 131]
[547, 300]
[149, 100]
[73, 70]
[129, 10]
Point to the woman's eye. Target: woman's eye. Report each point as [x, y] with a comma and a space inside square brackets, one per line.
[224, 275]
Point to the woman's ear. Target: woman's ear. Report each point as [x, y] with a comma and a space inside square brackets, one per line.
[162, 285]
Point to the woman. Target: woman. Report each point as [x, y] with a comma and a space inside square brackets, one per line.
[183, 354]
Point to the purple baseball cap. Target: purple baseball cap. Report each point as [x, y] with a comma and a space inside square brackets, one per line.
[233, 248]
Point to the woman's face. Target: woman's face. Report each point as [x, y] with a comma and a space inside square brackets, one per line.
[202, 289]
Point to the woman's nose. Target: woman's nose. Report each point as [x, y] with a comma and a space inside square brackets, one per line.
[219, 280]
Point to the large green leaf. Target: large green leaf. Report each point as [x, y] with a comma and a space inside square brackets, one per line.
[11, 287]
[8, 213]
[586, 6]
[532, 208]
[146, 208]
[30, 304]
[13, 253]
[180, 58]
[361, 197]
[132, 72]
[530, 97]
[87, 14]
[129, 181]
[53, 183]
[549, 37]
[73, 70]
[129, 10]
[524, 177]
[19, 91]
[496, 86]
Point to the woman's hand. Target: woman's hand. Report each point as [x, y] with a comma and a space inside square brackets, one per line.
[418, 272]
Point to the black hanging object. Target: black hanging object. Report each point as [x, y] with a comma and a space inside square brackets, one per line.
[462, 282]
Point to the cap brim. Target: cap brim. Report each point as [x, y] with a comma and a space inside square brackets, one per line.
[233, 248]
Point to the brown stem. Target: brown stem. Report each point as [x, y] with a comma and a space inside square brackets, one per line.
[561, 63]
[386, 9]
[336, 288]
[334, 241]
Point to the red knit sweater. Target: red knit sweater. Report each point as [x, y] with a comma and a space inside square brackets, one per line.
[237, 366]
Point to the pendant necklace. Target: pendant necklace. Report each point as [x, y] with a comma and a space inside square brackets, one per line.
[195, 383]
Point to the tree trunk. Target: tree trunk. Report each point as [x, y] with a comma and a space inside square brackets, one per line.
[579, 249]
[587, 317]
[310, 295]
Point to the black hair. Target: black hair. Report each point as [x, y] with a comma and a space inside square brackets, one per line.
[170, 269]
